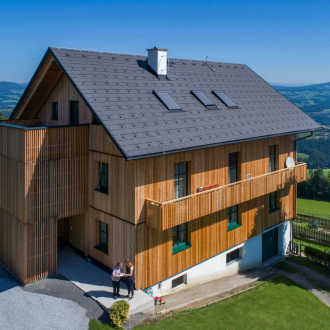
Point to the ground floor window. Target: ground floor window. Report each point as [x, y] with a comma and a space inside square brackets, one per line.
[102, 239]
[233, 217]
[179, 280]
[233, 255]
[180, 238]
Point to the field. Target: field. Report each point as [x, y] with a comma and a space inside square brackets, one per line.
[315, 208]
[277, 304]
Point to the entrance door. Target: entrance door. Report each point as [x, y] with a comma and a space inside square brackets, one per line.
[269, 244]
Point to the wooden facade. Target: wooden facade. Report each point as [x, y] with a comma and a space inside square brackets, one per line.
[49, 176]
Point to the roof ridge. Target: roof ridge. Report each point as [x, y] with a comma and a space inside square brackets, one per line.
[144, 56]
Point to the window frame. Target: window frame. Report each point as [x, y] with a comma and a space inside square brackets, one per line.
[233, 257]
[74, 112]
[54, 110]
[180, 244]
[236, 222]
[181, 179]
[273, 157]
[102, 246]
[273, 202]
[102, 182]
[233, 166]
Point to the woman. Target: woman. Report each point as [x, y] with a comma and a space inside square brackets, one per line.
[116, 273]
[130, 277]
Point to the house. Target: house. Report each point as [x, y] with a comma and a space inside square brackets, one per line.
[185, 167]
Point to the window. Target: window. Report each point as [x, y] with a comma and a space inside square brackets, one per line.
[102, 243]
[233, 218]
[180, 238]
[273, 202]
[180, 179]
[204, 99]
[272, 158]
[225, 99]
[179, 280]
[233, 167]
[167, 100]
[233, 255]
[74, 113]
[54, 111]
[103, 176]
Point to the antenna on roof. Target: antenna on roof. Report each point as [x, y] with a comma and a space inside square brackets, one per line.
[206, 58]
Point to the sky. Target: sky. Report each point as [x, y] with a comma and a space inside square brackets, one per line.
[284, 41]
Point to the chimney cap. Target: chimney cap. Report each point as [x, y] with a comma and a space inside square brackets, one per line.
[157, 48]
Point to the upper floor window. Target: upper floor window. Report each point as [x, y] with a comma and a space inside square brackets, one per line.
[55, 111]
[233, 167]
[74, 112]
[180, 179]
[273, 158]
[102, 237]
[233, 217]
[103, 176]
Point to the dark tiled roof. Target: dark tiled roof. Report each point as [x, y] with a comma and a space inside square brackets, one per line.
[119, 89]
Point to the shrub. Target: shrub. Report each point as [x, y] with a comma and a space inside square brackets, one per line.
[119, 313]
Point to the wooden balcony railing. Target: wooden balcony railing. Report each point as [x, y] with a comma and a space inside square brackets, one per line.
[168, 214]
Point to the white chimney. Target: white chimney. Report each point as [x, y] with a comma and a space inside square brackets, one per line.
[157, 60]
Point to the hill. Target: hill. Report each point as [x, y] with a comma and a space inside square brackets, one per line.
[10, 92]
[312, 99]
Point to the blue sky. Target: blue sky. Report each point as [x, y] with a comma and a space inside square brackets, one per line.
[285, 41]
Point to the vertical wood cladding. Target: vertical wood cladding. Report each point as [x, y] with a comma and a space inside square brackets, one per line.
[62, 94]
[44, 177]
[209, 235]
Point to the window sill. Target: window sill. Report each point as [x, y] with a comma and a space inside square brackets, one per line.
[101, 249]
[180, 248]
[102, 192]
[233, 225]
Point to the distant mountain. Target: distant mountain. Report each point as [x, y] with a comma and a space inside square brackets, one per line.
[10, 92]
[312, 99]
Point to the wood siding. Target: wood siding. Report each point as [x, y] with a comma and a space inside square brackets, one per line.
[63, 93]
[209, 234]
[44, 178]
[165, 215]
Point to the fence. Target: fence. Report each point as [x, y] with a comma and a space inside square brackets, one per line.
[310, 253]
[313, 221]
[310, 234]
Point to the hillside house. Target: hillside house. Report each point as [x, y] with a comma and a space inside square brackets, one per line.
[185, 167]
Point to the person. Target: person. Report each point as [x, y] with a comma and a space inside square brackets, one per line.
[130, 278]
[116, 273]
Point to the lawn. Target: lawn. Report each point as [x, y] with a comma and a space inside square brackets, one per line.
[315, 208]
[277, 304]
[323, 248]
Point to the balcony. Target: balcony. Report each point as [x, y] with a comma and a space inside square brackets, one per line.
[168, 214]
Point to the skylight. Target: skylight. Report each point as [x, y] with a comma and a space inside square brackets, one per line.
[204, 99]
[167, 100]
[225, 99]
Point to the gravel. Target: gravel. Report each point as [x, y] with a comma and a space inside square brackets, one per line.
[53, 303]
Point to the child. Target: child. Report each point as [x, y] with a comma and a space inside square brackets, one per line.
[116, 279]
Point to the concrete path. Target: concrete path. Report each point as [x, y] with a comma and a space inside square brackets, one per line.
[207, 291]
[97, 283]
[310, 273]
[21, 310]
[302, 281]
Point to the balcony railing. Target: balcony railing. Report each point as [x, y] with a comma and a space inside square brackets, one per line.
[168, 214]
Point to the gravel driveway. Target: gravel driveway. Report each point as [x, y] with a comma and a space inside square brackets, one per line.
[53, 303]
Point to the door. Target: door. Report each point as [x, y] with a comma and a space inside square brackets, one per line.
[269, 244]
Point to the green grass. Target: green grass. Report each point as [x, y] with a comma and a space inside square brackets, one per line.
[277, 304]
[315, 208]
[320, 247]
[312, 265]
[98, 325]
